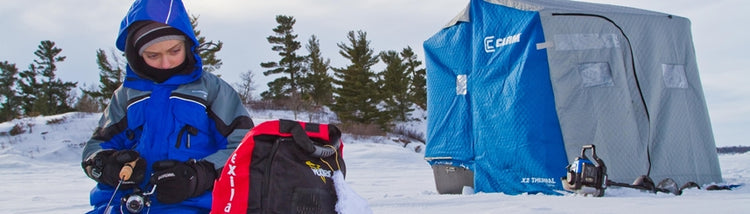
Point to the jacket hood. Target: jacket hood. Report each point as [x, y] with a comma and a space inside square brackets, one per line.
[170, 12]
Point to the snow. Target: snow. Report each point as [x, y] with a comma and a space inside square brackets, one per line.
[40, 173]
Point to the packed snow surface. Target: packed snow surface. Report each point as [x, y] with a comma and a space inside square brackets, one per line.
[40, 172]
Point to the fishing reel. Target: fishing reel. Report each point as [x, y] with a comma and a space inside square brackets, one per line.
[585, 176]
[138, 200]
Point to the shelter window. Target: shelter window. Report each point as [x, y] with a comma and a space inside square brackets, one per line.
[571, 42]
[596, 74]
[674, 76]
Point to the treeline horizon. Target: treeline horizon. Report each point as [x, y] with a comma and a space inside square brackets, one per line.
[362, 98]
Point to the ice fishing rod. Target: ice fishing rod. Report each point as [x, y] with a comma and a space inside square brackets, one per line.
[125, 173]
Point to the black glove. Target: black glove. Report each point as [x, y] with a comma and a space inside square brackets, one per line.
[176, 181]
[104, 167]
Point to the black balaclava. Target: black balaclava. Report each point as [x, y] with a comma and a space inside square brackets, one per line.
[146, 33]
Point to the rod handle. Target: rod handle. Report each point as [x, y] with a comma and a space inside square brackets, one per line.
[127, 170]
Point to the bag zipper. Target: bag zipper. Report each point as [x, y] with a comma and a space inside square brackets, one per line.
[264, 199]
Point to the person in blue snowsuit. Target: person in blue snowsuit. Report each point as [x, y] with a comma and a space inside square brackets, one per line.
[170, 122]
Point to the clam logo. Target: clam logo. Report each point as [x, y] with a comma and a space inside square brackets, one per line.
[490, 43]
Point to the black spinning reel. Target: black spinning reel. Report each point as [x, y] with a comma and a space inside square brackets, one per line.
[138, 200]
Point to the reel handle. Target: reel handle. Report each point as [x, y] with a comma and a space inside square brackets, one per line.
[127, 170]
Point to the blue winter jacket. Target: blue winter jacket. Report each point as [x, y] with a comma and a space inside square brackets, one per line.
[192, 115]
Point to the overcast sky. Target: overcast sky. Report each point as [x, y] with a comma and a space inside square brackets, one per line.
[80, 27]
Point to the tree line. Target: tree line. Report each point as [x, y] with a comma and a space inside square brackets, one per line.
[356, 93]
[37, 91]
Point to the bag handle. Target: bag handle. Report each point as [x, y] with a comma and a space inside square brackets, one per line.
[303, 140]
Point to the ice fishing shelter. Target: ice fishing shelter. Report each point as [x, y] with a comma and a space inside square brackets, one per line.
[515, 88]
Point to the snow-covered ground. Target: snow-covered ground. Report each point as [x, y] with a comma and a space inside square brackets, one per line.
[40, 173]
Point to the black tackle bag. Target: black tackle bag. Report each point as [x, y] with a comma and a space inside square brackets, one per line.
[281, 166]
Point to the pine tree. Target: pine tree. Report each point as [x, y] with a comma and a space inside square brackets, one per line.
[30, 89]
[395, 86]
[207, 49]
[356, 96]
[418, 87]
[9, 108]
[285, 90]
[318, 82]
[49, 95]
[111, 75]
[290, 63]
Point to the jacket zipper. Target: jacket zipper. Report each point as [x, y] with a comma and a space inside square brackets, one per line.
[131, 134]
[190, 131]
